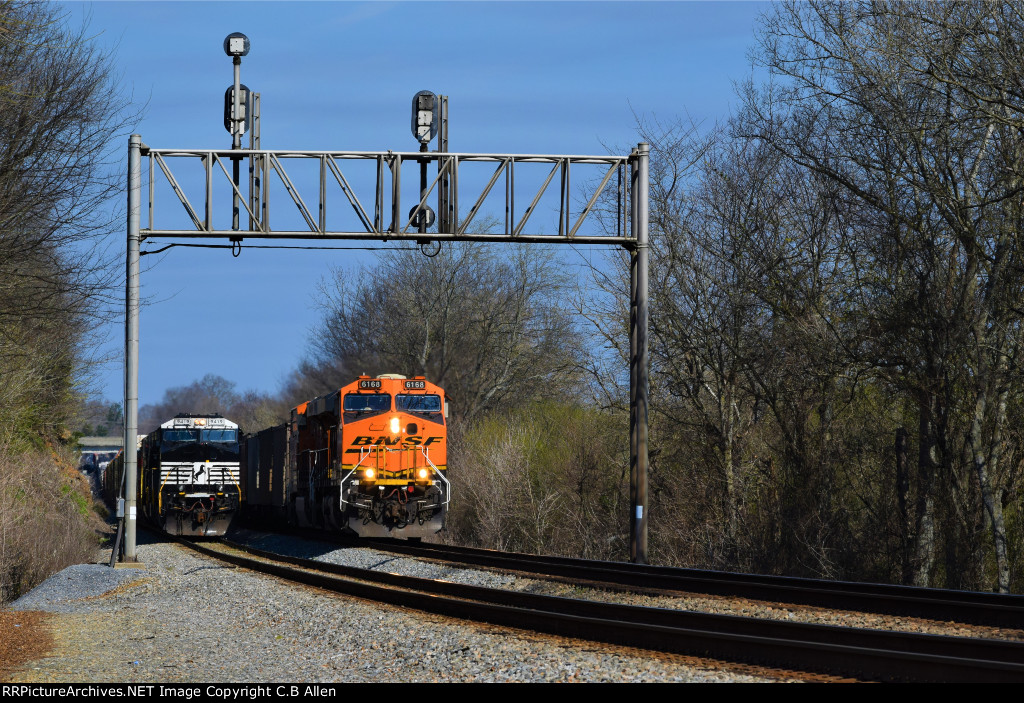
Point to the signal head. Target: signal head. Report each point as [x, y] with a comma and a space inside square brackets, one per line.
[236, 44]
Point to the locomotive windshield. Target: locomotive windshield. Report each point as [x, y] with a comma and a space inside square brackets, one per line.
[219, 445]
[199, 445]
[362, 405]
[218, 436]
[427, 406]
[175, 439]
[367, 402]
[418, 403]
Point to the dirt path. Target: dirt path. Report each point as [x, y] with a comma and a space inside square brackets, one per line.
[24, 636]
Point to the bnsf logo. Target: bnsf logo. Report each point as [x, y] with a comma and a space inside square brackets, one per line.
[387, 441]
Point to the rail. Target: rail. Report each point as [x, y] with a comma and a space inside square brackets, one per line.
[869, 654]
[932, 603]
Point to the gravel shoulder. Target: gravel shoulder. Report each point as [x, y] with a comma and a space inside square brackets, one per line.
[185, 618]
[365, 558]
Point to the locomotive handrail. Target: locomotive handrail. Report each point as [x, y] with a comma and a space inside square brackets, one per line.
[447, 483]
[362, 458]
[365, 452]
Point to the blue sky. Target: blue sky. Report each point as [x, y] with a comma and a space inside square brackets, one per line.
[522, 77]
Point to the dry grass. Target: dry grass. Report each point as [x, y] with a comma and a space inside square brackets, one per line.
[46, 519]
[547, 480]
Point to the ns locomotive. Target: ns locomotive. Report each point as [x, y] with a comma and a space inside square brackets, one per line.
[188, 476]
[369, 459]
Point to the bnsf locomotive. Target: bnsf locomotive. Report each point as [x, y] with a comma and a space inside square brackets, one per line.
[369, 459]
[189, 476]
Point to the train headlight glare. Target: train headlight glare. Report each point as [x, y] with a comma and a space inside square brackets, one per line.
[394, 425]
[370, 473]
[423, 473]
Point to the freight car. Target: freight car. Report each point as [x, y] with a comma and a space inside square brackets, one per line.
[188, 476]
[369, 459]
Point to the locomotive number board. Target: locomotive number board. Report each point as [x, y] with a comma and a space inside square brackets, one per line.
[370, 385]
[415, 385]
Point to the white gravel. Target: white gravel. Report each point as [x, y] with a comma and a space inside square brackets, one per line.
[372, 559]
[185, 618]
[723, 605]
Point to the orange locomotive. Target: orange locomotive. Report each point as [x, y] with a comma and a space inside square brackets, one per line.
[370, 458]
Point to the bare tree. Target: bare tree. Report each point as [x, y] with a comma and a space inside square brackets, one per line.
[911, 109]
[60, 111]
[489, 327]
[251, 410]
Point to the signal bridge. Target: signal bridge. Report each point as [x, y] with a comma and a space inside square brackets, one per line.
[379, 212]
[623, 221]
[615, 206]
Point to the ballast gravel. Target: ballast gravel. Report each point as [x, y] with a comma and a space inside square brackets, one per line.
[372, 559]
[187, 618]
[723, 605]
[62, 592]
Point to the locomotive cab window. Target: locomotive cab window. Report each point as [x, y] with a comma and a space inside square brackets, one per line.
[218, 436]
[367, 402]
[426, 406]
[357, 406]
[220, 445]
[418, 403]
[175, 438]
[180, 445]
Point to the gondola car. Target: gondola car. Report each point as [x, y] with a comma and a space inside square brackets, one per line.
[369, 459]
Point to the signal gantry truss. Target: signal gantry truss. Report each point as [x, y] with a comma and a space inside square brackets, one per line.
[584, 186]
[616, 214]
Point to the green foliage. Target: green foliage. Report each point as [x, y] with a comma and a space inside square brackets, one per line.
[81, 501]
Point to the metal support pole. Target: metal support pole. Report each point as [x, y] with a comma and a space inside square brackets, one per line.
[131, 343]
[633, 226]
[444, 188]
[255, 173]
[639, 358]
[422, 228]
[236, 137]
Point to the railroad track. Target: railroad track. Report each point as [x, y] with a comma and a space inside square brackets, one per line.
[863, 654]
[931, 603]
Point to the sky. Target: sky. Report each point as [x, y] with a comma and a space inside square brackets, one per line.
[522, 77]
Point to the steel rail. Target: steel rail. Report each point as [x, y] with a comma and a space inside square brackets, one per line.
[862, 653]
[931, 603]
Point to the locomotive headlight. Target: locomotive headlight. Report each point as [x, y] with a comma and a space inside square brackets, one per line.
[395, 424]
[423, 473]
[370, 473]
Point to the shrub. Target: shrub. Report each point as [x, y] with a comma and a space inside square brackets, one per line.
[46, 519]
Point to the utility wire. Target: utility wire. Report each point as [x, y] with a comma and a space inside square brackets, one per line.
[266, 246]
